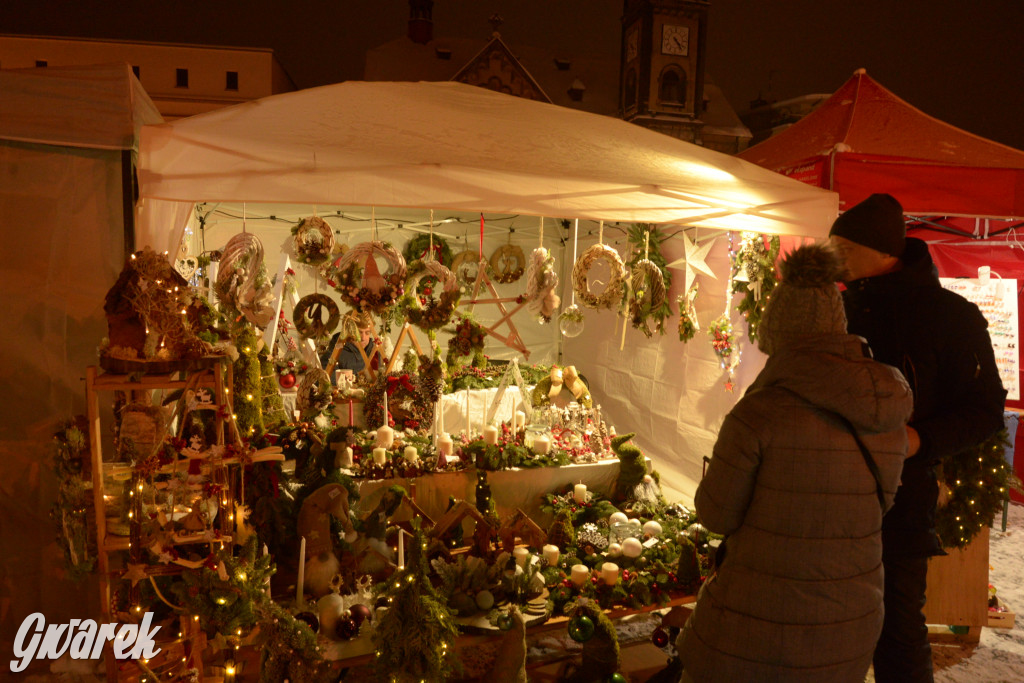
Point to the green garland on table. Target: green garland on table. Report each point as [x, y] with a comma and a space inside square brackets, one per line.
[979, 481]
[489, 376]
[69, 512]
[753, 270]
[645, 238]
[415, 637]
[247, 392]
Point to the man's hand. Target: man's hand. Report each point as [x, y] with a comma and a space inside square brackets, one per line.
[913, 441]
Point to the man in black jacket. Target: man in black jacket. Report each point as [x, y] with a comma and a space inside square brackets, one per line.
[940, 342]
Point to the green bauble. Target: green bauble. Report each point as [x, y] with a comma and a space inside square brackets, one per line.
[581, 629]
[504, 621]
[616, 678]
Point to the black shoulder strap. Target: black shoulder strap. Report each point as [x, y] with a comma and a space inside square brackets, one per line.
[868, 460]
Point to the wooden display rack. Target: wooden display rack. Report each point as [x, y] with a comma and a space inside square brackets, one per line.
[212, 376]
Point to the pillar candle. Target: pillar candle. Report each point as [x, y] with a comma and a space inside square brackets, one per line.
[386, 421]
[385, 437]
[266, 582]
[411, 454]
[521, 555]
[401, 548]
[491, 434]
[299, 584]
[468, 426]
[380, 456]
[551, 554]
[580, 574]
[610, 573]
[579, 493]
[445, 445]
[345, 459]
[519, 421]
[542, 444]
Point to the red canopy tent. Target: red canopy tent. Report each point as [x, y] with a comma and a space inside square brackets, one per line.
[961, 193]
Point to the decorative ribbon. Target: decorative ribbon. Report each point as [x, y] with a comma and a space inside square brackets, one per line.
[393, 383]
[556, 383]
[573, 382]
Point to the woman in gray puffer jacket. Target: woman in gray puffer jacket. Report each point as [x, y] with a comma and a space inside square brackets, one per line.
[798, 596]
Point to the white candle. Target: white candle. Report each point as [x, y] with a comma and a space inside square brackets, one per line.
[652, 529]
[610, 573]
[542, 444]
[631, 547]
[266, 581]
[346, 457]
[386, 421]
[469, 429]
[580, 574]
[579, 493]
[521, 555]
[380, 456]
[385, 437]
[411, 454]
[491, 434]
[519, 420]
[616, 517]
[401, 548]
[302, 572]
[445, 445]
[551, 554]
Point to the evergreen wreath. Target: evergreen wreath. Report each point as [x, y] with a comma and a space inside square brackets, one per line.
[753, 271]
[308, 316]
[422, 309]
[501, 268]
[314, 241]
[688, 325]
[467, 342]
[979, 481]
[612, 293]
[409, 399]
[419, 247]
[353, 290]
[651, 283]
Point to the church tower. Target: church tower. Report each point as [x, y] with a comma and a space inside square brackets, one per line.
[662, 65]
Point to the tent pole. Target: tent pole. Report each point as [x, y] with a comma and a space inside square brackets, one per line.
[128, 190]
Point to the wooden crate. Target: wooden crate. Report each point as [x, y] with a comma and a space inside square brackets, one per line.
[958, 586]
[1001, 619]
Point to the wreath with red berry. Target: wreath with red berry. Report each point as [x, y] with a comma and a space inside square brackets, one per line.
[466, 343]
[422, 308]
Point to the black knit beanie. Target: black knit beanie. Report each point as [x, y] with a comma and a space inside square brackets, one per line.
[876, 223]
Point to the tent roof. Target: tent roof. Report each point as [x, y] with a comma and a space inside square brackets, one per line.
[865, 139]
[100, 107]
[459, 147]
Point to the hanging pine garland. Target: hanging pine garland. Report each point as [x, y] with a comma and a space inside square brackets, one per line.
[688, 325]
[648, 300]
[979, 481]
[70, 449]
[753, 271]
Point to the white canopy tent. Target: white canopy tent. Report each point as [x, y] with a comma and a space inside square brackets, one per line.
[460, 148]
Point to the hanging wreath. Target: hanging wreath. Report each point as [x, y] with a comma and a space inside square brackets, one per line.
[242, 281]
[409, 403]
[314, 240]
[369, 290]
[315, 393]
[647, 286]
[688, 326]
[978, 482]
[560, 379]
[425, 311]
[541, 282]
[467, 342]
[753, 269]
[419, 247]
[502, 268]
[465, 263]
[612, 294]
[308, 316]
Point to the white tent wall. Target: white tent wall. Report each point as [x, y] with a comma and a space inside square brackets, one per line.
[61, 209]
[671, 394]
[272, 225]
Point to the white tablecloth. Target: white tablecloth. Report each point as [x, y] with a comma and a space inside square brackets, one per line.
[454, 409]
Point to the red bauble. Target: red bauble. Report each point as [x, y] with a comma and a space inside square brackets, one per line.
[659, 637]
[287, 381]
[346, 629]
[360, 613]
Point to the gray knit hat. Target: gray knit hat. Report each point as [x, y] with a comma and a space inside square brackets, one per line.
[806, 303]
[876, 223]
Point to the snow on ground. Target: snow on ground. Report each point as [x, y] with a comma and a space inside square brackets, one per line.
[999, 657]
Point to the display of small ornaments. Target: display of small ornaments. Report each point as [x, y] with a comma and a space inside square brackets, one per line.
[242, 281]
[753, 276]
[360, 283]
[309, 316]
[507, 264]
[977, 484]
[314, 241]
[649, 280]
[611, 296]
[423, 309]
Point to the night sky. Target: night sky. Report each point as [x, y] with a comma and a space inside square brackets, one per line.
[961, 62]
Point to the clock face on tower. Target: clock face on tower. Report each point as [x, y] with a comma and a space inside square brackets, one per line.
[675, 40]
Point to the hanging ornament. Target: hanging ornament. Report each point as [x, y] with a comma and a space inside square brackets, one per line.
[570, 321]
[581, 629]
[287, 380]
[346, 629]
[508, 263]
[688, 326]
[693, 260]
[360, 613]
[659, 637]
[313, 241]
[753, 271]
[309, 619]
[697, 533]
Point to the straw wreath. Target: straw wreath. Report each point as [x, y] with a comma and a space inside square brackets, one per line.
[612, 294]
[308, 316]
[314, 240]
[648, 293]
[351, 284]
